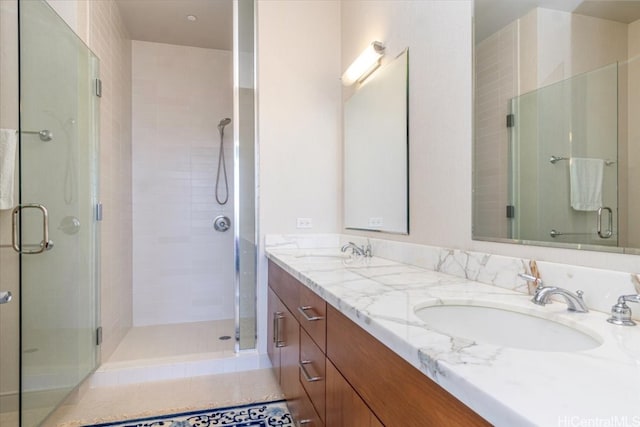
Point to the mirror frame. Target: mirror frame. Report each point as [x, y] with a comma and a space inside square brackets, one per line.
[406, 230]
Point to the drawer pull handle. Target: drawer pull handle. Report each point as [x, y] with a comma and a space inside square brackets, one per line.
[307, 377]
[304, 422]
[303, 311]
[277, 316]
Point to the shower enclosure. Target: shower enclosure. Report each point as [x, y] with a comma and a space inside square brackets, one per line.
[50, 332]
[550, 129]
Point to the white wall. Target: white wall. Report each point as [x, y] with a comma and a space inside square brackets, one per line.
[298, 66]
[182, 268]
[299, 108]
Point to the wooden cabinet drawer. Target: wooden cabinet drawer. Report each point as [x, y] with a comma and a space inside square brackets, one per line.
[285, 286]
[302, 410]
[308, 417]
[312, 315]
[312, 372]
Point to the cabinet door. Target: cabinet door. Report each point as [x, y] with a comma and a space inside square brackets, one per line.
[274, 331]
[343, 405]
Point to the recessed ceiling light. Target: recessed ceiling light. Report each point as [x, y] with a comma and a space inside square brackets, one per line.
[192, 18]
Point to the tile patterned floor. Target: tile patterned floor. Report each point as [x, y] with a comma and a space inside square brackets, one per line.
[105, 404]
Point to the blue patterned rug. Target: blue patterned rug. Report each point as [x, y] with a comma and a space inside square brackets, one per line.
[265, 414]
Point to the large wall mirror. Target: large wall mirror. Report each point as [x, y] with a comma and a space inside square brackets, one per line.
[376, 151]
[557, 123]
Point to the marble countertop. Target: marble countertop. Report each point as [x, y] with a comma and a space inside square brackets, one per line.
[506, 386]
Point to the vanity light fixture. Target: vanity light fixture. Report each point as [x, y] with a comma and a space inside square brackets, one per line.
[365, 64]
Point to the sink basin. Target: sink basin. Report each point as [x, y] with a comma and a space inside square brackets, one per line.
[505, 328]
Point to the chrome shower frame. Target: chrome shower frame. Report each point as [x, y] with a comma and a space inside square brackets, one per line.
[236, 175]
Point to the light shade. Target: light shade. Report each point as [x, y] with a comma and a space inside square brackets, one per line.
[364, 64]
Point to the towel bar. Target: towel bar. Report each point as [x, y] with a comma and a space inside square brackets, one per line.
[45, 135]
[555, 159]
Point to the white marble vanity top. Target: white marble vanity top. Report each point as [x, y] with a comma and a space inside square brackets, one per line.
[507, 386]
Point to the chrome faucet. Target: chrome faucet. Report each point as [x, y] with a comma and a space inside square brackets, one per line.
[358, 250]
[543, 293]
[621, 313]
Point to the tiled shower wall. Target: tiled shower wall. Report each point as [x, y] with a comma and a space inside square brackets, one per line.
[183, 268]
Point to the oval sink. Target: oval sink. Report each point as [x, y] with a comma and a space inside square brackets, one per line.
[504, 328]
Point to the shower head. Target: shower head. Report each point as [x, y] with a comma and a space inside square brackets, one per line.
[223, 123]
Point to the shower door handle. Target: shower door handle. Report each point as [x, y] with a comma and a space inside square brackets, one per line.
[45, 243]
[609, 232]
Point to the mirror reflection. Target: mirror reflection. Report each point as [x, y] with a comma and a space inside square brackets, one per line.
[376, 151]
[556, 148]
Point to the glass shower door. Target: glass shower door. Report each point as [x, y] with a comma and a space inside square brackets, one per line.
[55, 224]
[574, 120]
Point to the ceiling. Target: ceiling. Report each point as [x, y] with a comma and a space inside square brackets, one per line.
[165, 21]
[492, 15]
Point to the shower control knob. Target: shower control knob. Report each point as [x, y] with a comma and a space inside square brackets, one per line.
[221, 223]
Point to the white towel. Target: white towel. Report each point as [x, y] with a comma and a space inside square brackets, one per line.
[586, 183]
[7, 167]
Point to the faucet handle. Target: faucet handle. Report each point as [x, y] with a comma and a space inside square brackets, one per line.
[580, 294]
[367, 249]
[621, 313]
[534, 279]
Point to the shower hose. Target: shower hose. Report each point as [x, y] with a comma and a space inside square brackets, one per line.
[222, 166]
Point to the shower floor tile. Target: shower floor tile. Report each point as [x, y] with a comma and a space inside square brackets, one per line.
[173, 340]
[104, 404]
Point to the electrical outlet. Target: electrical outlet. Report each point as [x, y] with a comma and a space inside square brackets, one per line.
[304, 223]
[376, 222]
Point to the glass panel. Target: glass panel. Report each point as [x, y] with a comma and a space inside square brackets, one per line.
[557, 127]
[245, 173]
[58, 286]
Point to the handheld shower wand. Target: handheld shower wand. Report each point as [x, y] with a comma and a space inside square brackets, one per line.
[222, 165]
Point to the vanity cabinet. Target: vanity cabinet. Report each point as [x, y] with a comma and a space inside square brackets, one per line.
[334, 373]
[297, 341]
